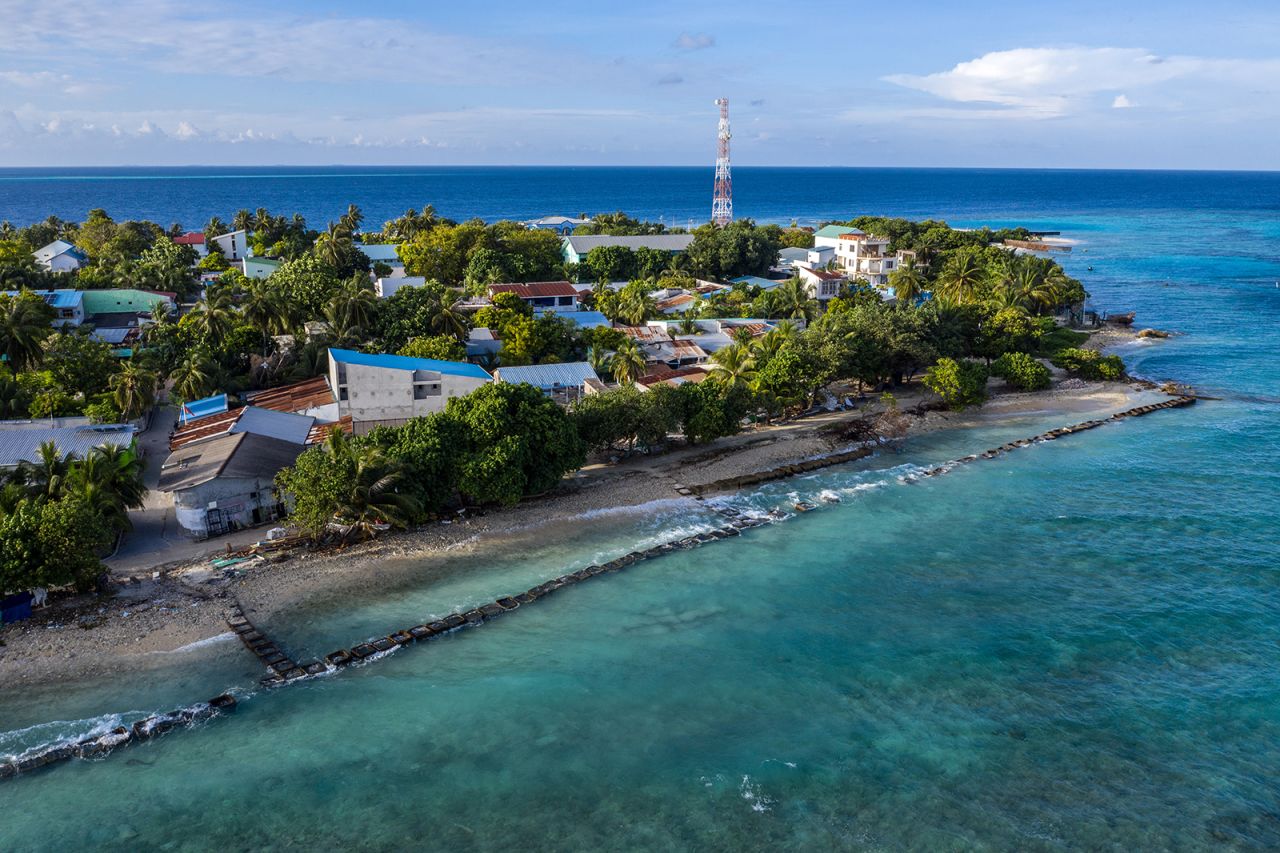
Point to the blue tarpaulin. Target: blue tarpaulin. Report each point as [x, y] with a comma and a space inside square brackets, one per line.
[15, 608]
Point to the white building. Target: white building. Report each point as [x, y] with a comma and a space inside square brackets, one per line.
[386, 287]
[68, 305]
[822, 285]
[865, 257]
[195, 240]
[259, 267]
[560, 224]
[384, 253]
[59, 256]
[559, 296]
[234, 245]
[388, 390]
[576, 248]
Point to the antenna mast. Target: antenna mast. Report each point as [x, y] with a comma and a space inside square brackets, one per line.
[722, 200]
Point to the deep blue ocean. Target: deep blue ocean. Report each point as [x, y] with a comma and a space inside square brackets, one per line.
[1075, 646]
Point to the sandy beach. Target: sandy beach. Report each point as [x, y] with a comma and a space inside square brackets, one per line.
[184, 604]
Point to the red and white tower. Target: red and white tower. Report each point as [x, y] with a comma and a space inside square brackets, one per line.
[722, 200]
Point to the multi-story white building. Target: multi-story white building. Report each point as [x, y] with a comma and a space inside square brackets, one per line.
[234, 245]
[865, 257]
[388, 390]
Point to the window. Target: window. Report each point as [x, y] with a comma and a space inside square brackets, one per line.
[422, 392]
[342, 393]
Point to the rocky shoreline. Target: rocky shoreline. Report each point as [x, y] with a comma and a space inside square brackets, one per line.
[185, 604]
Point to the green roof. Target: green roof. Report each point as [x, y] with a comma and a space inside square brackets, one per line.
[835, 231]
[120, 301]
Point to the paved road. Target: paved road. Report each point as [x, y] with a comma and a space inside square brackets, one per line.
[156, 537]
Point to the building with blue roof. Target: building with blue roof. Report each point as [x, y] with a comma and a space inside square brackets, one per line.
[563, 382]
[756, 281]
[581, 319]
[379, 389]
[68, 305]
[203, 407]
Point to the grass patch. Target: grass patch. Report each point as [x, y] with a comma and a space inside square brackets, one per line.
[1059, 339]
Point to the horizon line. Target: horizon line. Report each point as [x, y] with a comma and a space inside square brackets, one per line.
[708, 167]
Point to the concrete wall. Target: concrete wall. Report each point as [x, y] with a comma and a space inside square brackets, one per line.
[236, 498]
[386, 394]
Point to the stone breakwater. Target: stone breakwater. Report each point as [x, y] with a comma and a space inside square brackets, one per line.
[101, 746]
[282, 669]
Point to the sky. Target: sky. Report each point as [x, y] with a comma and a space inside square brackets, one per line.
[1085, 84]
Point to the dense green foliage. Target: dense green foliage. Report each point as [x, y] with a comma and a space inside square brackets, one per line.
[1089, 364]
[58, 514]
[495, 445]
[1022, 371]
[959, 383]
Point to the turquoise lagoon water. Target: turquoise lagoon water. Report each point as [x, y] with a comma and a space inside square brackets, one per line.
[1073, 646]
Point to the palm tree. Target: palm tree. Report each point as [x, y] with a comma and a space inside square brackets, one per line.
[215, 227]
[351, 219]
[447, 320]
[133, 389]
[24, 326]
[242, 221]
[635, 305]
[46, 477]
[688, 324]
[358, 300]
[193, 378]
[333, 244]
[908, 283]
[373, 498]
[214, 316]
[733, 366]
[13, 398]
[792, 299]
[262, 308]
[599, 359]
[767, 345]
[627, 363]
[960, 278]
[118, 469]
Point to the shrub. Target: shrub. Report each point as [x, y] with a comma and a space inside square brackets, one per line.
[958, 383]
[1021, 371]
[1089, 363]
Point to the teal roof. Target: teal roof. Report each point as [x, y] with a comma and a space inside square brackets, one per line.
[835, 231]
[404, 362]
[757, 281]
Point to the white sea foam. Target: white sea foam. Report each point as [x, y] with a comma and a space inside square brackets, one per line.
[19, 742]
[198, 644]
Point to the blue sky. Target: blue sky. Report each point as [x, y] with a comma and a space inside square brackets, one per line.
[1081, 84]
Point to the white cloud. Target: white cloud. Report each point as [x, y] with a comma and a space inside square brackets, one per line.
[183, 39]
[694, 41]
[186, 130]
[1121, 102]
[1050, 82]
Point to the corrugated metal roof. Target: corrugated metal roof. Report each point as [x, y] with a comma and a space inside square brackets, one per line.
[113, 335]
[381, 252]
[584, 243]
[547, 376]
[757, 281]
[793, 254]
[835, 231]
[241, 456]
[581, 319]
[404, 362]
[535, 289]
[203, 407]
[55, 298]
[285, 426]
[17, 445]
[298, 397]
